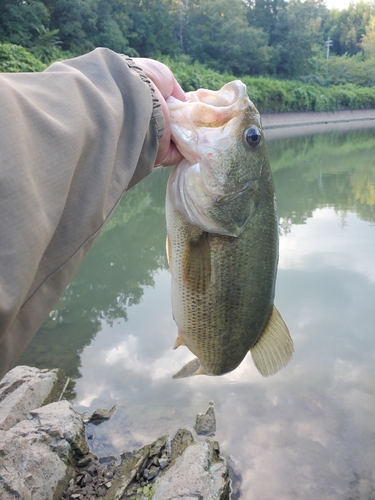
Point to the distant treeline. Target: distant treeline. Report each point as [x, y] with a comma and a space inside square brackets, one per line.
[278, 38]
[277, 47]
[268, 94]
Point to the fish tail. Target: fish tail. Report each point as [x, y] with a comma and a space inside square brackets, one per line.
[274, 348]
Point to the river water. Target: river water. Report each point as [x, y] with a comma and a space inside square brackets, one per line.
[307, 432]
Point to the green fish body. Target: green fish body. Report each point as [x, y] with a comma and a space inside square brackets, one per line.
[222, 239]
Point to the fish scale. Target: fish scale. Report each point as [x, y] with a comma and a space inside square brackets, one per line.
[223, 238]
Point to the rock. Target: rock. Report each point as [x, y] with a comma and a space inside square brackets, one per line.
[87, 479]
[36, 455]
[195, 470]
[107, 460]
[206, 422]
[180, 442]
[92, 480]
[84, 461]
[24, 389]
[44, 453]
[100, 415]
[198, 473]
[163, 462]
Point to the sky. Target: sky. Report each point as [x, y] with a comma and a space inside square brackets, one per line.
[337, 4]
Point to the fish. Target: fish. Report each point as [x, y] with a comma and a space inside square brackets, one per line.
[222, 235]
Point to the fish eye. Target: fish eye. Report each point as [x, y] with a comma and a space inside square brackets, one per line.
[252, 136]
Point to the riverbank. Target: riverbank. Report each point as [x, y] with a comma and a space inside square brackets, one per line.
[45, 452]
[281, 125]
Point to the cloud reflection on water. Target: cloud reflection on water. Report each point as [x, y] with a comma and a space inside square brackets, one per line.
[306, 432]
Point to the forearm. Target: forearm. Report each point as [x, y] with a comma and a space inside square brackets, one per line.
[72, 140]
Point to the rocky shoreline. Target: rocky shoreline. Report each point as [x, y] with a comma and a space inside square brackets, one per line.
[44, 452]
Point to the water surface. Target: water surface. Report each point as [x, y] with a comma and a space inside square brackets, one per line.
[307, 432]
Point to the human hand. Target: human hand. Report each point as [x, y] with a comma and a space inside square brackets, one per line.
[165, 85]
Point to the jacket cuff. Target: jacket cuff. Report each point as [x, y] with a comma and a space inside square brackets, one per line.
[157, 113]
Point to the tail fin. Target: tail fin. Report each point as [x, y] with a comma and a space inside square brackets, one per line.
[274, 349]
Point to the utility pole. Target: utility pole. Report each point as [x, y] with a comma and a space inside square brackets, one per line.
[328, 45]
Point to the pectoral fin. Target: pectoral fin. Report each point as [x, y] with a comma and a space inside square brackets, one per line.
[191, 368]
[274, 349]
[196, 264]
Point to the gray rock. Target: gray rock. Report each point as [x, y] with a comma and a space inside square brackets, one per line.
[25, 388]
[185, 470]
[36, 455]
[163, 462]
[199, 473]
[206, 422]
[44, 454]
[101, 415]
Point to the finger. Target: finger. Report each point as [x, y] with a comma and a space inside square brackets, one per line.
[168, 157]
[177, 91]
[174, 156]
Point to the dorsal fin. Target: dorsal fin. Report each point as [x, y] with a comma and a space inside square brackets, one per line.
[196, 264]
[274, 348]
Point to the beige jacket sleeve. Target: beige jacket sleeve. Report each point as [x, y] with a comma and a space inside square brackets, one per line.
[73, 139]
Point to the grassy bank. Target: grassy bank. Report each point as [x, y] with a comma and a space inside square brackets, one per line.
[268, 94]
[276, 96]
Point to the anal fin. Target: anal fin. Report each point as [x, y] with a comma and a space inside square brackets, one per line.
[274, 348]
[191, 368]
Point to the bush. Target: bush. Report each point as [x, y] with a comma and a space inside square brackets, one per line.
[275, 96]
[14, 58]
[268, 94]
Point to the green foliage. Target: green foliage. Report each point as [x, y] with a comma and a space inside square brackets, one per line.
[271, 95]
[193, 76]
[154, 25]
[348, 26]
[339, 70]
[297, 30]
[219, 35]
[146, 492]
[113, 26]
[75, 21]
[22, 23]
[209, 42]
[14, 59]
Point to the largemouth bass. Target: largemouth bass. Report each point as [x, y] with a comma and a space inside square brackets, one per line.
[222, 235]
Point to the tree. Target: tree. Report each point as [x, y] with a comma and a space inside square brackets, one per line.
[263, 13]
[297, 31]
[154, 27]
[348, 27]
[219, 36]
[75, 21]
[114, 26]
[22, 22]
[368, 40]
